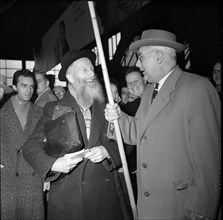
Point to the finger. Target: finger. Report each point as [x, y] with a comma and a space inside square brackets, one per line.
[95, 160]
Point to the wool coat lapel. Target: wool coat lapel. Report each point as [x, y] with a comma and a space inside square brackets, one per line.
[15, 128]
[96, 125]
[162, 99]
[32, 117]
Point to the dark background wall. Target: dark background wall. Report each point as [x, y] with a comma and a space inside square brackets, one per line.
[197, 22]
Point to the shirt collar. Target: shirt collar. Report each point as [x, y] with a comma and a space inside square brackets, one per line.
[164, 78]
[18, 104]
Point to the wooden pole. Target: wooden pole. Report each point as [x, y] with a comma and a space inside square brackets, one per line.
[111, 101]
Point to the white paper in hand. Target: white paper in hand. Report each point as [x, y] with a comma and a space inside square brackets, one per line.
[80, 153]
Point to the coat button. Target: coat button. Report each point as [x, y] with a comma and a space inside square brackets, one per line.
[144, 165]
[146, 193]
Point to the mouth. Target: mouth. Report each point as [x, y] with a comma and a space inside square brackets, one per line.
[90, 80]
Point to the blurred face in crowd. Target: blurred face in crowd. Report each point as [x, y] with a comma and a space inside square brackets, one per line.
[1, 92]
[135, 83]
[59, 91]
[24, 88]
[115, 94]
[42, 83]
[217, 73]
[124, 94]
[83, 81]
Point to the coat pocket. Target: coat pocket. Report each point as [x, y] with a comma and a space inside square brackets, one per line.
[180, 184]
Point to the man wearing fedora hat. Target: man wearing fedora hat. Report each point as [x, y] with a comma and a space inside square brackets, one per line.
[86, 187]
[177, 133]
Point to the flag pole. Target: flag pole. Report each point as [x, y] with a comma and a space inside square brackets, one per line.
[111, 101]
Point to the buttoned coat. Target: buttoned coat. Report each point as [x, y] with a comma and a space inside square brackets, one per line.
[21, 187]
[89, 190]
[178, 148]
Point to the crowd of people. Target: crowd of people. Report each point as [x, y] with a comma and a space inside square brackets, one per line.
[62, 140]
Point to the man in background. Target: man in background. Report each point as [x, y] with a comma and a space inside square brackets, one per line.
[45, 94]
[135, 84]
[21, 187]
[59, 91]
[216, 75]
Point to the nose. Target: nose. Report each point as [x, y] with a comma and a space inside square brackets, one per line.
[91, 73]
[29, 89]
[138, 64]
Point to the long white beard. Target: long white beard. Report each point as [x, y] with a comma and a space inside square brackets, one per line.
[87, 93]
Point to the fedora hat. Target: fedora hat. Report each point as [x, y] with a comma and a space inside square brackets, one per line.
[154, 37]
[72, 56]
[3, 85]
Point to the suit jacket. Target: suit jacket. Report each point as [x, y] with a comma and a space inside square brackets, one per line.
[45, 97]
[178, 148]
[21, 187]
[89, 191]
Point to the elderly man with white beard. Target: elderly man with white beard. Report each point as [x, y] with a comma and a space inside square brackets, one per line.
[87, 186]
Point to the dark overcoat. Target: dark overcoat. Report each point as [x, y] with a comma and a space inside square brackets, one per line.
[89, 191]
[21, 187]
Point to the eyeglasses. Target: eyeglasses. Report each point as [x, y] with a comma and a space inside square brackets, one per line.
[216, 71]
[140, 57]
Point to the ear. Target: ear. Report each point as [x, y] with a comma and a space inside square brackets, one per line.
[159, 56]
[47, 83]
[70, 78]
[14, 88]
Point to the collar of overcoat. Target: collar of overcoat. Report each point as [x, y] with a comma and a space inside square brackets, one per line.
[16, 130]
[148, 111]
[97, 121]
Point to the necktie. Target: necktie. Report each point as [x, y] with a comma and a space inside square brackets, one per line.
[87, 118]
[155, 91]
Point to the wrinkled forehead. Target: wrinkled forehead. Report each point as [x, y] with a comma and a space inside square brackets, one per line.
[133, 76]
[83, 61]
[25, 80]
[113, 87]
[79, 64]
[143, 50]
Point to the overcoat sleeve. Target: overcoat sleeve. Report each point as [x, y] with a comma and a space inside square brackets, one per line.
[128, 129]
[33, 149]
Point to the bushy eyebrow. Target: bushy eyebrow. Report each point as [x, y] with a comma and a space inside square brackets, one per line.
[25, 84]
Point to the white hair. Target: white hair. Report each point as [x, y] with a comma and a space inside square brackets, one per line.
[167, 50]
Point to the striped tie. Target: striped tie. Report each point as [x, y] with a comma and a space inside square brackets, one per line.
[87, 118]
[155, 91]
